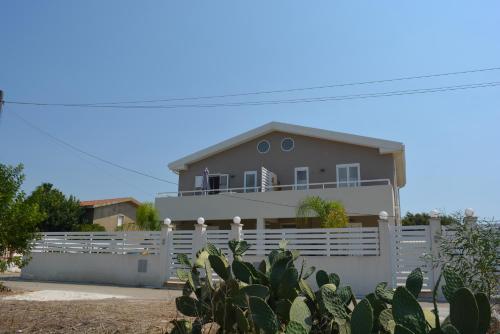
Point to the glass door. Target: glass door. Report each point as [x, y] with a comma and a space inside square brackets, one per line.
[301, 178]
[348, 175]
[250, 181]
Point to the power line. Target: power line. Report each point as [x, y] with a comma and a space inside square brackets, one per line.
[73, 147]
[298, 89]
[274, 102]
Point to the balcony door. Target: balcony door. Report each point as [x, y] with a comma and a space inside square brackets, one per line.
[348, 175]
[301, 178]
[218, 183]
[250, 180]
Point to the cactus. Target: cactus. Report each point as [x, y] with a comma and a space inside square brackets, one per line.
[220, 266]
[484, 309]
[414, 282]
[362, 318]
[300, 313]
[453, 283]
[464, 313]
[276, 298]
[262, 315]
[407, 312]
[387, 321]
[383, 293]
[322, 278]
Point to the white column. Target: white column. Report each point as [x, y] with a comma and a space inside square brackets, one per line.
[165, 253]
[199, 236]
[261, 226]
[435, 236]
[386, 246]
[236, 229]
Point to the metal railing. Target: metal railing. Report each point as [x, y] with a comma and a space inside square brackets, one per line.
[287, 187]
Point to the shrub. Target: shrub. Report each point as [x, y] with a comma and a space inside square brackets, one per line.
[274, 297]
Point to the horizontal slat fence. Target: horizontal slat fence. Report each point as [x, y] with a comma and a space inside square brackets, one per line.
[182, 243]
[362, 241]
[147, 243]
[410, 244]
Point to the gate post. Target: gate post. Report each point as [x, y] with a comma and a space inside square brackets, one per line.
[199, 237]
[435, 236]
[165, 252]
[236, 228]
[386, 246]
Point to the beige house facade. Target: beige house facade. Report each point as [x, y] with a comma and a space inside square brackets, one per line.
[113, 213]
[263, 174]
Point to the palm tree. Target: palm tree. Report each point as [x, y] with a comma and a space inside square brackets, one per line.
[330, 213]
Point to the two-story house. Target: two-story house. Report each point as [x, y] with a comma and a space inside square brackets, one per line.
[263, 174]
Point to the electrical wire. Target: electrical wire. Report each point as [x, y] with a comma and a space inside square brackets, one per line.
[289, 90]
[73, 147]
[273, 102]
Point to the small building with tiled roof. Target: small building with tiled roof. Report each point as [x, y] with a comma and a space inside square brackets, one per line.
[111, 213]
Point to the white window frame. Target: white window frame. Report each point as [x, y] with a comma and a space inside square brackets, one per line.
[268, 146]
[301, 186]
[293, 144]
[348, 183]
[250, 189]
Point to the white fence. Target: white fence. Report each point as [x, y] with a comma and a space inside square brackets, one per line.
[362, 241]
[364, 255]
[409, 245]
[145, 243]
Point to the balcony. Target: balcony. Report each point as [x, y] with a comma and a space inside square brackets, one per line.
[365, 197]
[294, 187]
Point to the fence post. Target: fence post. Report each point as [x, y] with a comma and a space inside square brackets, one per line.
[435, 235]
[199, 236]
[236, 229]
[260, 236]
[386, 246]
[165, 253]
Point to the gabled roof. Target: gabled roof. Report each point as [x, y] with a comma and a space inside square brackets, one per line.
[109, 201]
[383, 146]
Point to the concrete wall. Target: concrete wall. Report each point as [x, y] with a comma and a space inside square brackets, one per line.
[93, 268]
[369, 200]
[321, 156]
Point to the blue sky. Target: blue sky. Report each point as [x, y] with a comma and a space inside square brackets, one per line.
[92, 51]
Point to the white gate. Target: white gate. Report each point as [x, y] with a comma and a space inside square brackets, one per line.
[409, 245]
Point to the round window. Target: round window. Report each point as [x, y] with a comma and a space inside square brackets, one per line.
[287, 144]
[263, 146]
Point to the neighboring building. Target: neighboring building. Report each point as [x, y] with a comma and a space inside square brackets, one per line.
[111, 213]
[262, 175]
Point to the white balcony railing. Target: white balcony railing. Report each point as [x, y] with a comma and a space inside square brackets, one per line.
[296, 187]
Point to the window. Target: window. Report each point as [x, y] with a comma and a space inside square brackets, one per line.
[263, 146]
[287, 144]
[198, 181]
[250, 181]
[218, 183]
[348, 175]
[119, 222]
[301, 178]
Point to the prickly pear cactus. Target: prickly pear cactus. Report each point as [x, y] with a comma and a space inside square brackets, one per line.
[414, 282]
[362, 318]
[464, 313]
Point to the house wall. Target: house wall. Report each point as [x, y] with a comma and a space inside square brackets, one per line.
[107, 216]
[321, 156]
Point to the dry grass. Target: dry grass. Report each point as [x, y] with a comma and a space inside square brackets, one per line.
[105, 316]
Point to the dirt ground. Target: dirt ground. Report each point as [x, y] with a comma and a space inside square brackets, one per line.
[103, 316]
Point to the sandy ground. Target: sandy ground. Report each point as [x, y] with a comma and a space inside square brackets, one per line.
[48, 307]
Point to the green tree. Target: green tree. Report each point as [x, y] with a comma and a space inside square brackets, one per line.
[62, 213]
[147, 217]
[330, 213]
[18, 217]
[423, 219]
